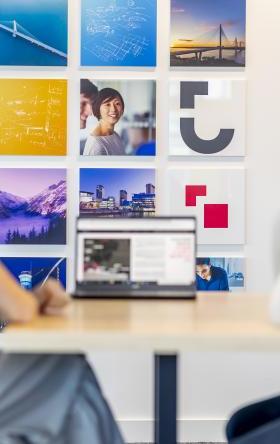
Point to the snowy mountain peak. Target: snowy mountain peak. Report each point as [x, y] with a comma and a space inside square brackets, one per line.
[10, 201]
[51, 201]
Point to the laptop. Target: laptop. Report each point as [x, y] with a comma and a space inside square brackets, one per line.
[135, 257]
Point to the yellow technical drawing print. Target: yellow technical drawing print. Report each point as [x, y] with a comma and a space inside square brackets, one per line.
[33, 117]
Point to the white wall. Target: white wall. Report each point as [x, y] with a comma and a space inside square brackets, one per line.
[211, 384]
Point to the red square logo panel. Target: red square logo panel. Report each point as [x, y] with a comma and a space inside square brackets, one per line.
[192, 192]
[215, 216]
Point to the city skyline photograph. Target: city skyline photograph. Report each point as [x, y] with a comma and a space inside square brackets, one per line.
[207, 33]
[117, 191]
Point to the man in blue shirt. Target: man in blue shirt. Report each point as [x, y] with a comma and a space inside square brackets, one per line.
[210, 278]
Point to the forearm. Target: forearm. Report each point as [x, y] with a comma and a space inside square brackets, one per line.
[16, 304]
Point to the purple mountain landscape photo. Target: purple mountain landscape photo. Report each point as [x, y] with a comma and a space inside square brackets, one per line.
[32, 206]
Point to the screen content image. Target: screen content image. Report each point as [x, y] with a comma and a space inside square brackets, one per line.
[220, 274]
[165, 259]
[207, 33]
[117, 117]
[117, 192]
[137, 257]
[107, 260]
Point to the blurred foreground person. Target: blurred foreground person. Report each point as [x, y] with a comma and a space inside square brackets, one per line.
[48, 399]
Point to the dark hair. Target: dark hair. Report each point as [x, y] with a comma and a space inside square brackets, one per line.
[203, 261]
[103, 96]
[88, 89]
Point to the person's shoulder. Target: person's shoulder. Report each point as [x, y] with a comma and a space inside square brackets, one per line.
[118, 141]
[201, 284]
[94, 146]
[219, 271]
[116, 135]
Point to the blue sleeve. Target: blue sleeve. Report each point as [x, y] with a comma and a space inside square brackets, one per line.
[224, 282]
[197, 283]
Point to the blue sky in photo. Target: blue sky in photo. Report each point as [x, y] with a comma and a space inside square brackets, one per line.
[27, 182]
[191, 18]
[116, 179]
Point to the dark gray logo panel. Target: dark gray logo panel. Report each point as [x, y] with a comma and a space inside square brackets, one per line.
[202, 146]
[188, 91]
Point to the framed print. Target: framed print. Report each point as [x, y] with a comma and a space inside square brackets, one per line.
[31, 272]
[207, 118]
[33, 117]
[33, 33]
[220, 273]
[118, 117]
[118, 32]
[117, 192]
[206, 33]
[216, 196]
[32, 206]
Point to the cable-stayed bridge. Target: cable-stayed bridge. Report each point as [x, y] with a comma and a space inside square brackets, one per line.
[16, 30]
[210, 41]
[26, 277]
[55, 267]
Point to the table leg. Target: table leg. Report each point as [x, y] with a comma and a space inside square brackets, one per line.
[165, 399]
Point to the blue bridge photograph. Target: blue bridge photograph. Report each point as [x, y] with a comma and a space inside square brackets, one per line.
[33, 33]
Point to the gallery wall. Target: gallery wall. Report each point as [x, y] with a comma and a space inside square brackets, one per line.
[213, 385]
[206, 121]
[208, 393]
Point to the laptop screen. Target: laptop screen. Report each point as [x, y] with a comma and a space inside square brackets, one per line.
[127, 252]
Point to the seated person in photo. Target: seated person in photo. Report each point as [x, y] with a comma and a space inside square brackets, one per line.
[108, 108]
[50, 399]
[145, 142]
[87, 94]
[146, 149]
[209, 277]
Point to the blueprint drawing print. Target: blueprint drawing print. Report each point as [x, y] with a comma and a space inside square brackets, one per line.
[33, 117]
[25, 37]
[118, 32]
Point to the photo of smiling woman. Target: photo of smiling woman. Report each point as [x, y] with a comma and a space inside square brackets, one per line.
[122, 119]
[108, 108]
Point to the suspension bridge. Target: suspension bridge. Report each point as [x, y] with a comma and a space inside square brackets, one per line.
[16, 30]
[207, 42]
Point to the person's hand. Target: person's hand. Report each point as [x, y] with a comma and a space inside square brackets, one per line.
[52, 297]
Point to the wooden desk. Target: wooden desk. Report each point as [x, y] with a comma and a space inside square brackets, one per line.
[214, 322]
